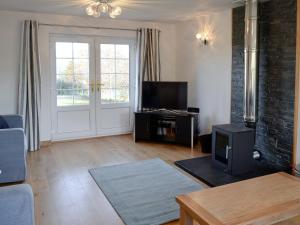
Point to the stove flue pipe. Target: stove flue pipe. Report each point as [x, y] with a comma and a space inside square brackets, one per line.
[251, 62]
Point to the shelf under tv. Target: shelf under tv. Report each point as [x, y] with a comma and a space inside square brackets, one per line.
[166, 126]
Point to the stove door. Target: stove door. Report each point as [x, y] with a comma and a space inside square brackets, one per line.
[222, 148]
[222, 153]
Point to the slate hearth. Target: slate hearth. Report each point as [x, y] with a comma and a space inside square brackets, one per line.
[202, 169]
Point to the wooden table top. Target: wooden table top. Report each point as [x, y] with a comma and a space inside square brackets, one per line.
[260, 201]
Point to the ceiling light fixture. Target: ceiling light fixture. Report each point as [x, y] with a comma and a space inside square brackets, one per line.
[103, 6]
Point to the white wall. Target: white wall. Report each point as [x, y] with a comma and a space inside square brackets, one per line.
[10, 26]
[207, 68]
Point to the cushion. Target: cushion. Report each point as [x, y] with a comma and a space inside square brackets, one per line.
[3, 123]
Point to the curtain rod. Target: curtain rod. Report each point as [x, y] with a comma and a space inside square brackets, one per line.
[98, 28]
[89, 27]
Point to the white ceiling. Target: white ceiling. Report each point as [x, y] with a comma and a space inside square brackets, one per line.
[155, 10]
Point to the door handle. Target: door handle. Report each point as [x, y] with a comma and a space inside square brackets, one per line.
[99, 85]
[92, 85]
[227, 151]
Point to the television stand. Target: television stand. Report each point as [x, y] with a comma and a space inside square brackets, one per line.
[166, 126]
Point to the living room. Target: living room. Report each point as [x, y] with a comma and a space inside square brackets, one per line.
[149, 112]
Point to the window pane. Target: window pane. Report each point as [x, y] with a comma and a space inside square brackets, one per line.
[112, 80]
[108, 80]
[114, 74]
[64, 97]
[105, 80]
[81, 97]
[64, 82]
[64, 50]
[81, 66]
[122, 51]
[72, 74]
[122, 81]
[108, 51]
[81, 82]
[64, 67]
[108, 66]
[108, 96]
[122, 95]
[81, 50]
[122, 66]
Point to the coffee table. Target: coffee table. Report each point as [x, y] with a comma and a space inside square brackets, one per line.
[260, 201]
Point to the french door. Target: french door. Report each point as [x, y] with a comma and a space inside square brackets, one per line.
[115, 85]
[92, 86]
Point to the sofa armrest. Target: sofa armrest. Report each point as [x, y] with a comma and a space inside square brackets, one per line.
[13, 121]
[12, 155]
[12, 140]
[16, 205]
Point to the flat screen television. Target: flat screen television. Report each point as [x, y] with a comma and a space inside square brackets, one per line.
[165, 95]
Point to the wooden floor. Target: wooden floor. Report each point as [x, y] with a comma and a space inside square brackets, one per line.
[65, 193]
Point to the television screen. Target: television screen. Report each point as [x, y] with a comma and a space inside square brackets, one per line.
[164, 95]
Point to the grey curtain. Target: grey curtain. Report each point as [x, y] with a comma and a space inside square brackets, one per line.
[148, 59]
[30, 84]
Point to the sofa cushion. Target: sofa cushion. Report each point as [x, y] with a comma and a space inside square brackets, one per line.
[16, 205]
[3, 123]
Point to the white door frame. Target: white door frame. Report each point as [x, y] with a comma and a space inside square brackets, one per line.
[95, 99]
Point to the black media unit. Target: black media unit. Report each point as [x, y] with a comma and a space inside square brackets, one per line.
[166, 126]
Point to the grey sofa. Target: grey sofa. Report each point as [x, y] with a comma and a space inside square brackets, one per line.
[13, 150]
[16, 205]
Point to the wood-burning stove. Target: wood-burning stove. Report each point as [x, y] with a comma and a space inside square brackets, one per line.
[233, 148]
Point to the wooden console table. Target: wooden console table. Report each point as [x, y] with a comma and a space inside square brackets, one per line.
[260, 201]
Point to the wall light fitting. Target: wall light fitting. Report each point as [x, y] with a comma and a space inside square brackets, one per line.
[203, 38]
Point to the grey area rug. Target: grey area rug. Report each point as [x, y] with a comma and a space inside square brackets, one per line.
[143, 193]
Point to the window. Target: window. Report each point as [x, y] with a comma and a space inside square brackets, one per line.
[72, 73]
[114, 73]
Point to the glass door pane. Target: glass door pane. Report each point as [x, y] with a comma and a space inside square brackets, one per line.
[72, 74]
[222, 143]
[114, 72]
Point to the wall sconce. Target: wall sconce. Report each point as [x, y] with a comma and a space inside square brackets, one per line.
[203, 38]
